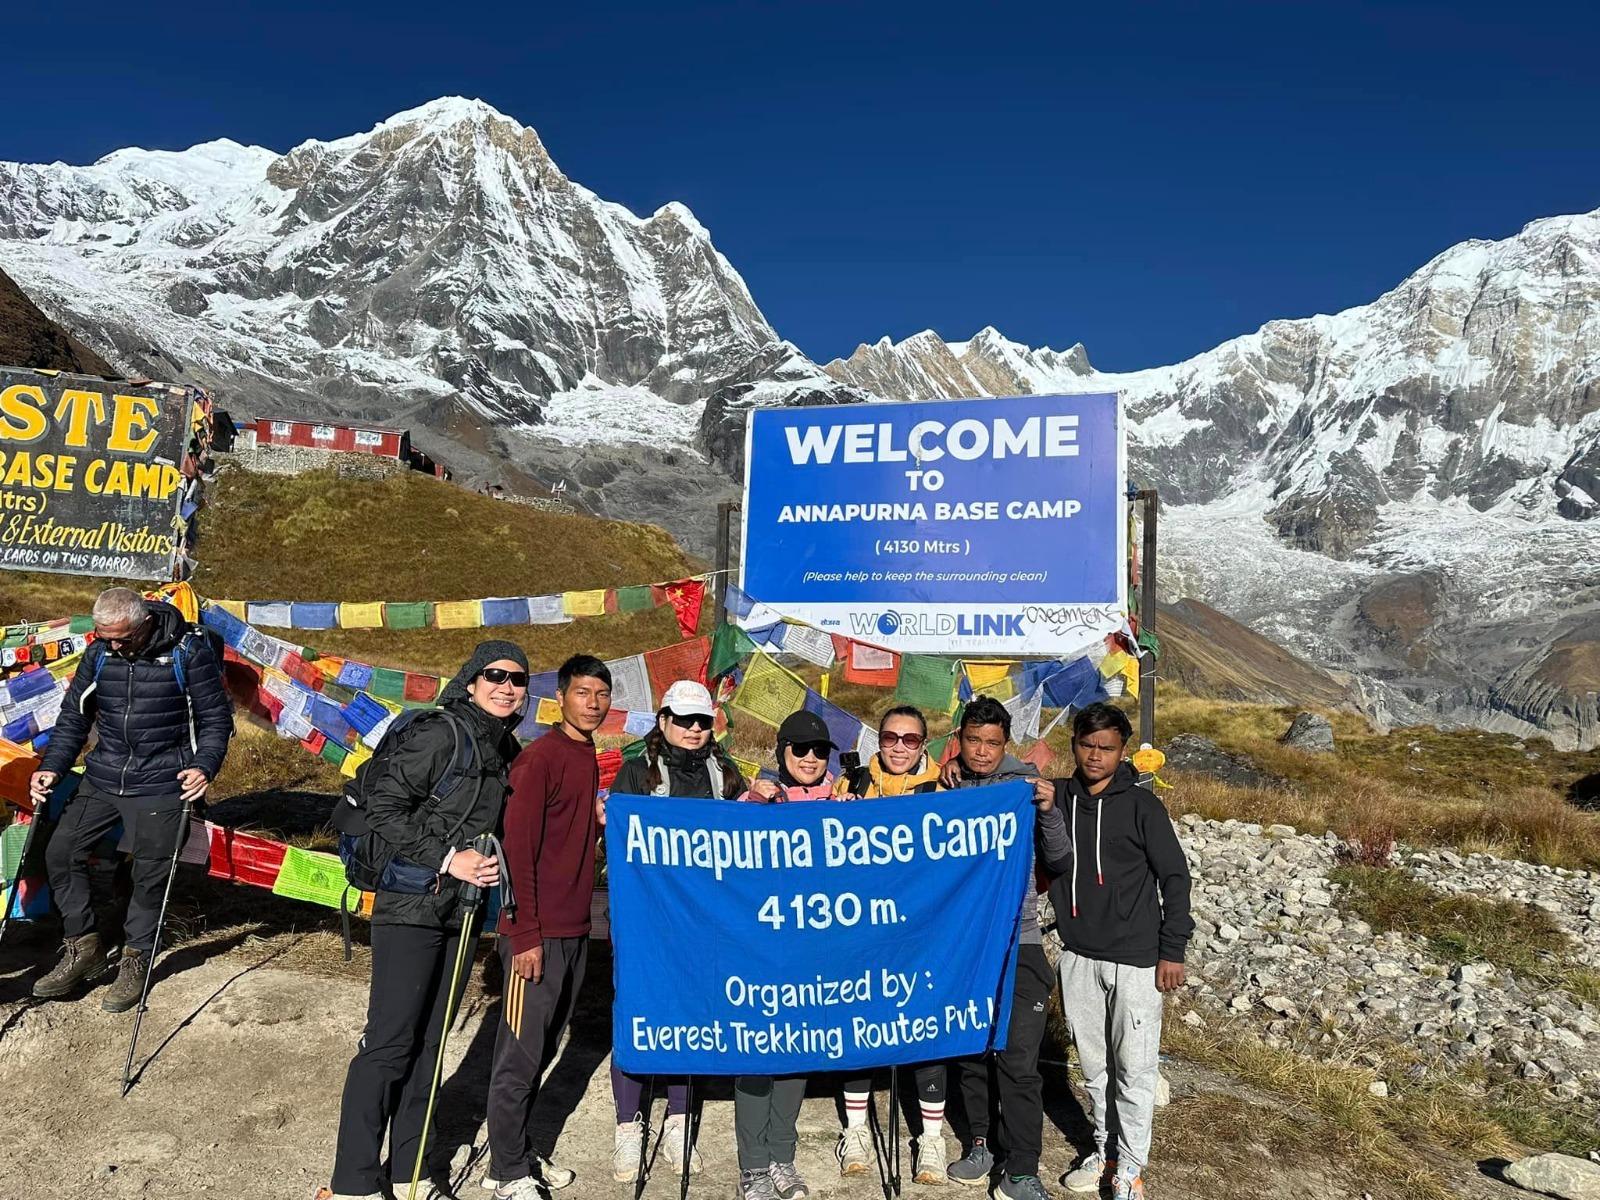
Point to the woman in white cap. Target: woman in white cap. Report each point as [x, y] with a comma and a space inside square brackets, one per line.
[681, 758]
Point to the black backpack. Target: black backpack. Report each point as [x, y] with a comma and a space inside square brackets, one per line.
[370, 863]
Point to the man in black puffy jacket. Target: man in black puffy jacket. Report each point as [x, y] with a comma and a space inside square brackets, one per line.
[150, 687]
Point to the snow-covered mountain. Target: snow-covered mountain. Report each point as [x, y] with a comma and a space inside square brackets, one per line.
[438, 269]
[1403, 490]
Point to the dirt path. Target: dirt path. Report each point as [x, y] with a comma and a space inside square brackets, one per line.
[243, 1061]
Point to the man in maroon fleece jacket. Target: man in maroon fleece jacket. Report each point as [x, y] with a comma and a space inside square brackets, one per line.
[549, 845]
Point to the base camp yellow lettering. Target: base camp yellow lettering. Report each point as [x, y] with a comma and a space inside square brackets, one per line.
[150, 481]
[23, 469]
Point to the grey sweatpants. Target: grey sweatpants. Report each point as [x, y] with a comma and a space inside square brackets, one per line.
[1114, 1013]
[765, 1111]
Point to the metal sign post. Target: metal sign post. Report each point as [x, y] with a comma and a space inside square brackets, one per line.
[1151, 501]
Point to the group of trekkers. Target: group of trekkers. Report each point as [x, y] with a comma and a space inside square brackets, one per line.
[526, 820]
[1115, 871]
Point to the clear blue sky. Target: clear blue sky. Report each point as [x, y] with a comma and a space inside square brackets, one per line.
[1147, 179]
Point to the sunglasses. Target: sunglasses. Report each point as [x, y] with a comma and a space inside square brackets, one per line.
[911, 741]
[811, 749]
[501, 675]
[691, 721]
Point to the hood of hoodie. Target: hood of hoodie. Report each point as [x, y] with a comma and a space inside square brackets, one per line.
[455, 692]
[170, 627]
[1011, 767]
[1122, 779]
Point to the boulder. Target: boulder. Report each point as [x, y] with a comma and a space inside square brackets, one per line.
[1557, 1175]
[1310, 732]
[1196, 755]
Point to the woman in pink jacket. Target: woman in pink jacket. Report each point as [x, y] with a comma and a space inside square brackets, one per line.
[804, 745]
[765, 1108]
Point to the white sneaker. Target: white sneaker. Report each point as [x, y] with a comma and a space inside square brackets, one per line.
[1089, 1174]
[854, 1150]
[627, 1148]
[672, 1146]
[544, 1171]
[526, 1188]
[929, 1159]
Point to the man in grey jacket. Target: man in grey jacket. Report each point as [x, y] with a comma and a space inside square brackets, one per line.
[984, 734]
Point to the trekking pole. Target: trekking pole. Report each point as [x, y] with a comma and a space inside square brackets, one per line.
[880, 1153]
[155, 946]
[470, 899]
[14, 897]
[644, 1137]
[894, 1129]
[688, 1128]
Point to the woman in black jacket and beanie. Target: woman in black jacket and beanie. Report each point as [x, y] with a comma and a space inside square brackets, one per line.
[412, 946]
[681, 758]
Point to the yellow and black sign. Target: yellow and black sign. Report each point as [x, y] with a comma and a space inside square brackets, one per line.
[91, 475]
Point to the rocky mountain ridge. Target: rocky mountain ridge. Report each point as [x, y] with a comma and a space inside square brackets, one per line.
[1402, 490]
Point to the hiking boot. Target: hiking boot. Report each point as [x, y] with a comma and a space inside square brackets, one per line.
[672, 1146]
[755, 1185]
[928, 1161]
[128, 986]
[1128, 1185]
[81, 959]
[1021, 1187]
[854, 1150]
[973, 1169]
[786, 1182]
[1091, 1174]
[626, 1150]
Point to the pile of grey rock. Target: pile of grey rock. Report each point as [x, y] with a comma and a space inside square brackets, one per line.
[1272, 946]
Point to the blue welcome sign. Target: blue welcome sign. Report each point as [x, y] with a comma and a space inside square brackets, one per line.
[948, 526]
[777, 939]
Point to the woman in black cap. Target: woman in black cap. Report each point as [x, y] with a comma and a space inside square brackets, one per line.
[766, 1109]
[804, 745]
[411, 931]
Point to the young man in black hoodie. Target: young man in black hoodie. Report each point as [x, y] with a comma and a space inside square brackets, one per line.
[1121, 896]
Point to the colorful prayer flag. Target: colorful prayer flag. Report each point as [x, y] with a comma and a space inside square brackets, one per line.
[926, 682]
[310, 875]
[769, 692]
[584, 604]
[406, 614]
[458, 614]
[361, 616]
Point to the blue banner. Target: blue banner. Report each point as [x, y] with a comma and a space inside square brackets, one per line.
[949, 526]
[781, 939]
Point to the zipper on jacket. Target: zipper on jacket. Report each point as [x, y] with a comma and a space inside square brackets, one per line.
[127, 745]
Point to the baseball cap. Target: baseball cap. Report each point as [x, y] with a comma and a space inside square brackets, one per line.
[688, 698]
[802, 727]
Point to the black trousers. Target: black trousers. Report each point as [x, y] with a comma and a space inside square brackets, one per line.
[765, 1113]
[386, 1088]
[155, 825]
[533, 1016]
[930, 1079]
[1015, 1069]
